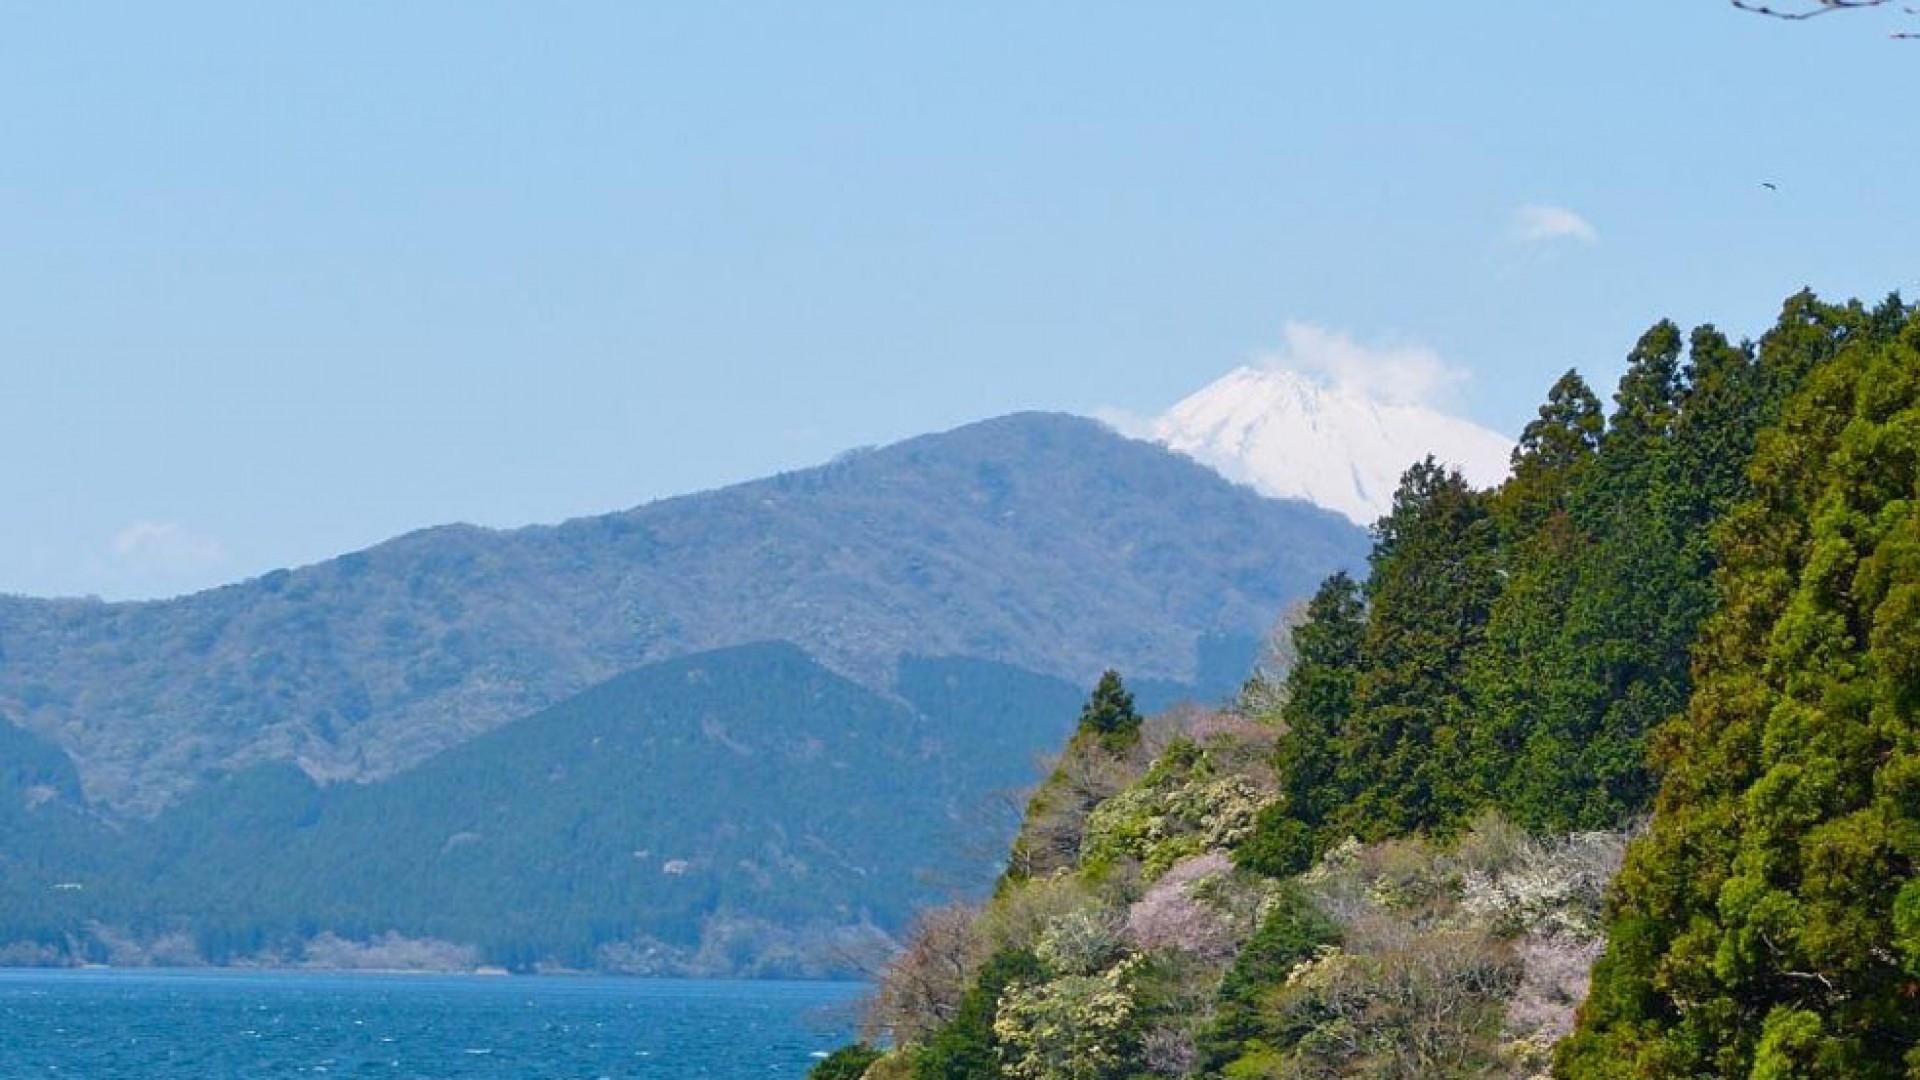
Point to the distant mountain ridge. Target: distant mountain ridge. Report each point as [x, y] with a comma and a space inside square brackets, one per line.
[1292, 436]
[1038, 540]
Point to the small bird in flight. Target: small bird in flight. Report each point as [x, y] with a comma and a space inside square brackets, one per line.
[1770, 185]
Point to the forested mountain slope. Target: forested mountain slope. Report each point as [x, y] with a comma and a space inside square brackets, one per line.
[729, 812]
[1042, 541]
[744, 811]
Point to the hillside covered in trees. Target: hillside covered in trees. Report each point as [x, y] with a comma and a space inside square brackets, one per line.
[408, 751]
[1394, 860]
[1043, 541]
[738, 812]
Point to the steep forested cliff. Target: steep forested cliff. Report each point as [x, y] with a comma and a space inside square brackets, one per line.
[1391, 860]
[1769, 924]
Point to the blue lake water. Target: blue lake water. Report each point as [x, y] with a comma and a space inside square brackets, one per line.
[104, 1025]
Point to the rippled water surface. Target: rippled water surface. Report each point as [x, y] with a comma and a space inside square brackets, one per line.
[201, 1025]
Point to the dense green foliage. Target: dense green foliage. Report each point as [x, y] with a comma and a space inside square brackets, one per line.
[1290, 934]
[1404, 757]
[1318, 704]
[1769, 925]
[1712, 591]
[1109, 714]
[1151, 955]
[966, 1048]
[1041, 541]
[1512, 649]
[847, 1063]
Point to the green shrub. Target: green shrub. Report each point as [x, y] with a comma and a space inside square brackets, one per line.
[846, 1063]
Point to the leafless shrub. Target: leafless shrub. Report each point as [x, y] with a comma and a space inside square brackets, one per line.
[1546, 887]
[1237, 744]
[1406, 877]
[1161, 731]
[1168, 1050]
[1468, 956]
[1277, 652]
[1056, 822]
[977, 832]
[1555, 973]
[921, 989]
[1400, 1003]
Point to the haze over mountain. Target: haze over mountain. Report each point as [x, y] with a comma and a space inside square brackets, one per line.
[1042, 541]
[750, 689]
[1332, 443]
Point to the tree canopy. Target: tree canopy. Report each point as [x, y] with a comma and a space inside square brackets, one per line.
[1769, 925]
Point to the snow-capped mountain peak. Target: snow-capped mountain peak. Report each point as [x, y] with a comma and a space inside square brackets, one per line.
[1292, 436]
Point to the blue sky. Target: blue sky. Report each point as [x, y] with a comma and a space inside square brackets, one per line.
[279, 281]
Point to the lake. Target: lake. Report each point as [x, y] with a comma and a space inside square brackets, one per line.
[202, 1025]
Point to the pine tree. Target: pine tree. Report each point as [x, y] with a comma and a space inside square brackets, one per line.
[1109, 713]
[1287, 837]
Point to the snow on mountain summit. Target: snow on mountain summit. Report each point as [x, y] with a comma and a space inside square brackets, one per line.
[1290, 435]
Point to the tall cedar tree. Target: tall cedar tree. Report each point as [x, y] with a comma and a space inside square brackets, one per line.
[1769, 923]
[1608, 577]
[1524, 678]
[1562, 439]
[1289, 834]
[1516, 649]
[1402, 757]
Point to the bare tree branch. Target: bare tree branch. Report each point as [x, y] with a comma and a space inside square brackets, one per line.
[1818, 8]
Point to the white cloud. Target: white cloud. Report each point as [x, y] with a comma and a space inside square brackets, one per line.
[1392, 372]
[1128, 423]
[1539, 224]
[164, 547]
[1402, 373]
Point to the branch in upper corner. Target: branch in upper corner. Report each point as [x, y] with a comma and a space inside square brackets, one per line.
[1821, 7]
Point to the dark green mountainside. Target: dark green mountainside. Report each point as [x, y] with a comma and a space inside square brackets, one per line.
[1042, 541]
[744, 811]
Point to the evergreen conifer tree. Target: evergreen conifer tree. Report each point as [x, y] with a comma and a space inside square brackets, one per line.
[1434, 576]
[1769, 924]
[1566, 432]
[1109, 712]
[1288, 835]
